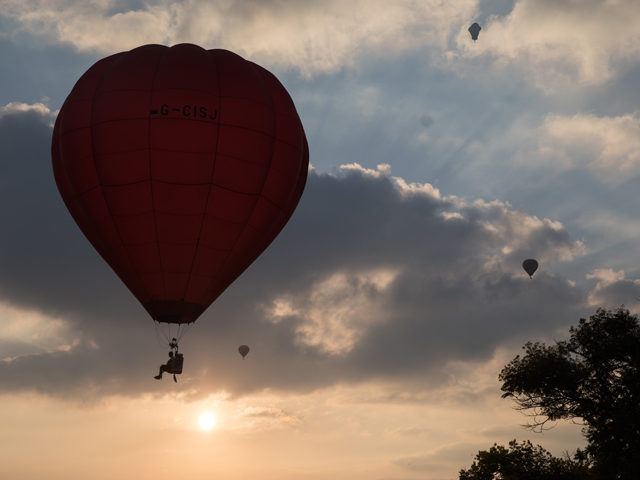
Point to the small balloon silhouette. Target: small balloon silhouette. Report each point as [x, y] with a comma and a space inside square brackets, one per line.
[530, 266]
[243, 349]
[474, 30]
[426, 121]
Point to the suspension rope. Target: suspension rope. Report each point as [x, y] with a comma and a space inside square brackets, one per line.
[185, 328]
[165, 343]
[167, 336]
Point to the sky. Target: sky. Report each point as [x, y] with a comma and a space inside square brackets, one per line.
[380, 318]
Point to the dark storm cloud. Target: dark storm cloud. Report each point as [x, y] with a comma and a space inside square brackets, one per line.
[45, 260]
[372, 278]
[32, 71]
[444, 304]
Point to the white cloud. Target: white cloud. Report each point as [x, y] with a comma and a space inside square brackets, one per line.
[29, 331]
[18, 107]
[608, 147]
[383, 170]
[415, 188]
[122, 31]
[89, 25]
[516, 233]
[561, 43]
[607, 276]
[335, 313]
[613, 289]
[253, 419]
[452, 215]
[315, 37]
[557, 44]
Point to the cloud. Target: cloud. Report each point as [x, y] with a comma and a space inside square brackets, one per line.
[314, 37]
[613, 289]
[519, 235]
[554, 45]
[373, 278]
[338, 310]
[90, 25]
[27, 331]
[319, 37]
[607, 146]
[434, 267]
[438, 459]
[560, 44]
[39, 109]
[36, 248]
[264, 418]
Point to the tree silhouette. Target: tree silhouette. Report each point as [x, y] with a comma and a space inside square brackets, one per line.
[594, 379]
[526, 462]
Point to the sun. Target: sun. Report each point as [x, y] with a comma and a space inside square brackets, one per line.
[207, 421]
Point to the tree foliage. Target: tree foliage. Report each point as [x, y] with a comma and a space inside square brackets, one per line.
[592, 378]
[525, 462]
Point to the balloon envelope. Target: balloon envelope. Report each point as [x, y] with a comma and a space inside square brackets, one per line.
[530, 266]
[474, 30]
[243, 349]
[180, 165]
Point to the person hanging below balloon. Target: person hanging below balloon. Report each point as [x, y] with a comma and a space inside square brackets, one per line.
[474, 30]
[168, 367]
[530, 266]
[174, 364]
[243, 349]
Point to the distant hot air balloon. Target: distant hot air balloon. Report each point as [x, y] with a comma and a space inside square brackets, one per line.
[474, 30]
[530, 266]
[180, 165]
[243, 349]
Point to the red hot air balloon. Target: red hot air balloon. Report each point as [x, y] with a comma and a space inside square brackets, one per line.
[180, 165]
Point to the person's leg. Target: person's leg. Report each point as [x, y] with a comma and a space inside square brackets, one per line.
[163, 368]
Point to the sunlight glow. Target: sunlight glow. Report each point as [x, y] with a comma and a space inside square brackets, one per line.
[207, 421]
